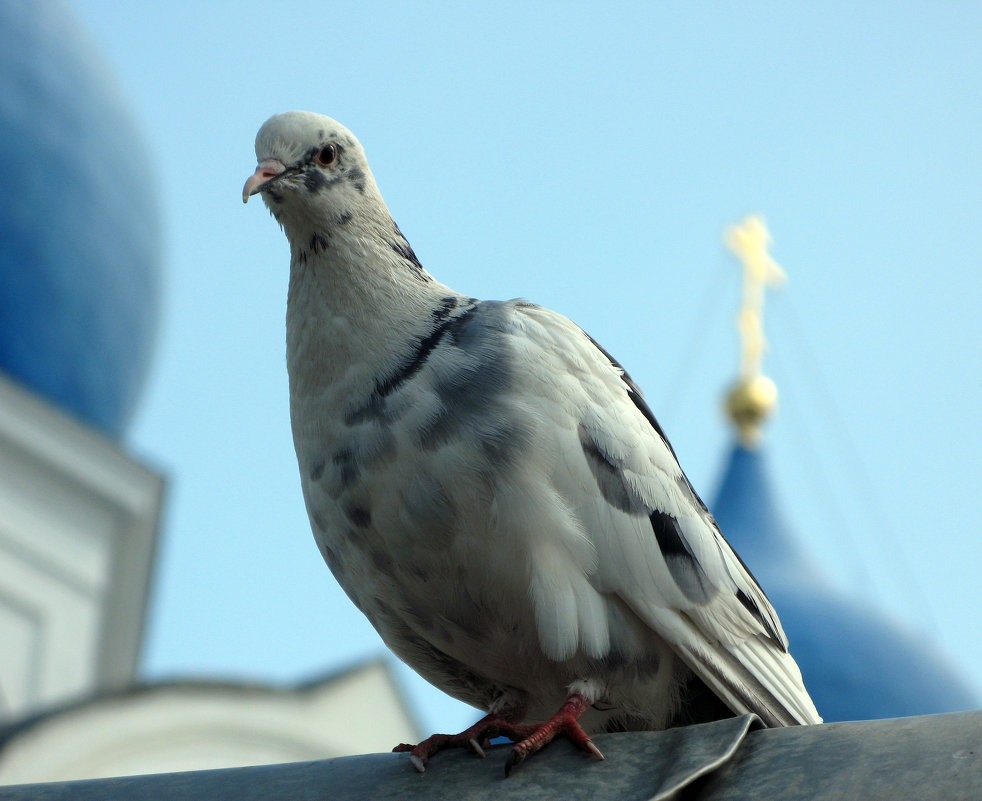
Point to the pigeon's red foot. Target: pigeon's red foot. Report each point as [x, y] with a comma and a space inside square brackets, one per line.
[528, 739]
[473, 739]
[565, 721]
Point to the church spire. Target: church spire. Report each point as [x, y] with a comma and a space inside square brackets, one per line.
[753, 397]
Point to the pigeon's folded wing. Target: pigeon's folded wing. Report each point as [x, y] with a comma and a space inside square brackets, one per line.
[658, 547]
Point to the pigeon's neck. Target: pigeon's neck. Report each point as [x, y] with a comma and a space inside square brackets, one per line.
[357, 295]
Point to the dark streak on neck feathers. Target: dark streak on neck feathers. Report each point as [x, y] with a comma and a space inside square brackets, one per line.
[400, 245]
[443, 320]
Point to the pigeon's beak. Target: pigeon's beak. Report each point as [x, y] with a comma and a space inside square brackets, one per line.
[267, 170]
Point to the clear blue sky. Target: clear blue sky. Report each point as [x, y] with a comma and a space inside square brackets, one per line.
[586, 157]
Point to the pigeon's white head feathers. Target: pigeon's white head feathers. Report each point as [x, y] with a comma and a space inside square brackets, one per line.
[290, 136]
[311, 168]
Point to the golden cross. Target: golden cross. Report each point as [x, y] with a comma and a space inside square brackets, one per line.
[749, 241]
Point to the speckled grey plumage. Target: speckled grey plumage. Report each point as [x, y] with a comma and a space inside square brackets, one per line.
[488, 484]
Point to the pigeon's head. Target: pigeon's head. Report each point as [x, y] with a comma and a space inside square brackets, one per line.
[311, 169]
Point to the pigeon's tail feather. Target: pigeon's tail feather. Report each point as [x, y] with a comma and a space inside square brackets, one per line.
[754, 678]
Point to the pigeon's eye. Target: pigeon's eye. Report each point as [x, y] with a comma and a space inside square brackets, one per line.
[327, 155]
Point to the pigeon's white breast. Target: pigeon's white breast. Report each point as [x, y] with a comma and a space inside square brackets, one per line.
[446, 516]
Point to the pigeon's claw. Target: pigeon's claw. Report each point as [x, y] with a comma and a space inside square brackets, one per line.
[565, 721]
[420, 754]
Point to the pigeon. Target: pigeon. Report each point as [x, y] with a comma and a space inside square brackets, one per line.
[491, 489]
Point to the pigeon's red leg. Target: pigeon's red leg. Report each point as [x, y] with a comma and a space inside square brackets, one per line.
[565, 721]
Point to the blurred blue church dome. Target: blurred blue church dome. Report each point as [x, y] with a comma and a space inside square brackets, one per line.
[857, 663]
[79, 224]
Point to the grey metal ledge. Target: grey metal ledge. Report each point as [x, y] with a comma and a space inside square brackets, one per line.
[930, 757]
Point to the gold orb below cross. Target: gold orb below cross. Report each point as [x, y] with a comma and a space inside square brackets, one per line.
[748, 404]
